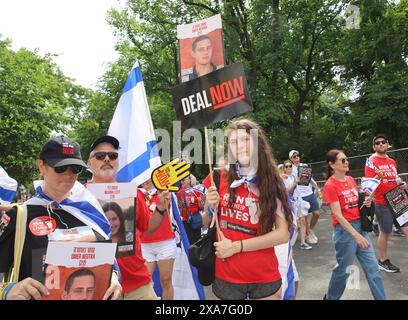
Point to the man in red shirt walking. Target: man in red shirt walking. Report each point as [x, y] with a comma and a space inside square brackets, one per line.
[382, 165]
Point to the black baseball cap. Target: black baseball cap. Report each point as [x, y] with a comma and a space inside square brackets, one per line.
[380, 135]
[61, 151]
[109, 139]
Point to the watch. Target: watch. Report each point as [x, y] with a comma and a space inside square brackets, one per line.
[162, 212]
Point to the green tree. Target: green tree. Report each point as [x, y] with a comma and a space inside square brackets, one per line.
[36, 99]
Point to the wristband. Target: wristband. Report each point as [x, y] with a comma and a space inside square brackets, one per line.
[8, 288]
[210, 212]
[160, 211]
[4, 290]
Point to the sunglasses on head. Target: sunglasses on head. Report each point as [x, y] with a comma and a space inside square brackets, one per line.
[76, 169]
[377, 143]
[288, 166]
[343, 160]
[102, 155]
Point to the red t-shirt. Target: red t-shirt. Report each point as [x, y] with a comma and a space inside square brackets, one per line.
[133, 269]
[259, 266]
[346, 193]
[388, 169]
[164, 231]
[192, 198]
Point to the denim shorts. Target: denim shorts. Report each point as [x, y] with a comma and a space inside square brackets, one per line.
[314, 204]
[385, 218]
[240, 291]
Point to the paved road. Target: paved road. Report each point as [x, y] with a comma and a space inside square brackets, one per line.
[315, 267]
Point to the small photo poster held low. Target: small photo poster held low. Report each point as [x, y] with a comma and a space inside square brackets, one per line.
[304, 175]
[78, 270]
[397, 200]
[118, 201]
[201, 47]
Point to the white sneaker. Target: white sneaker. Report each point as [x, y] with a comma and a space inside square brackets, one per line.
[311, 238]
[305, 246]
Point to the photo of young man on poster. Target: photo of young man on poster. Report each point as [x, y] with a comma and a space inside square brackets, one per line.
[201, 48]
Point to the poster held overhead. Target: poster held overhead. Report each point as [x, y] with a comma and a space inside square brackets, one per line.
[218, 96]
[201, 47]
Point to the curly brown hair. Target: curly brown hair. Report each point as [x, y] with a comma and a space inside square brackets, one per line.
[270, 185]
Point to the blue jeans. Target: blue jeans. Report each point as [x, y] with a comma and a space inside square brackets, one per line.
[346, 249]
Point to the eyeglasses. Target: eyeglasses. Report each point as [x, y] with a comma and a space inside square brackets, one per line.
[377, 143]
[343, 160]
[102, 155]
[76, 169]
[288, 166]
[296, 156]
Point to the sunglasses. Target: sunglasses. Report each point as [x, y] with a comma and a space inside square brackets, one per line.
[343, 160]
[377, 143]
[296, 156]
[76, 169]
[288, 166]
[102, 155]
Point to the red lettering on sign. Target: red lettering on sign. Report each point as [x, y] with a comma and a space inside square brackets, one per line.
[227, 92]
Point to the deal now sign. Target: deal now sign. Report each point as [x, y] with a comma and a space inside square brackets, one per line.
[217, 96]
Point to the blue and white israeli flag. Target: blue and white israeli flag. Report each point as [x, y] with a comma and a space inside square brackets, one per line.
[8, 187]
[370, 164]
[138, 157]
[369, 184]
[132, 126]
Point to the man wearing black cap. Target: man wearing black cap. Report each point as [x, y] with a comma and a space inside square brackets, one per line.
[136, 280]
[380, 164]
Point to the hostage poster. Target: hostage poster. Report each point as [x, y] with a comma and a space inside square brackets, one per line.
[118, 201]
[201, 48]
[78, 270]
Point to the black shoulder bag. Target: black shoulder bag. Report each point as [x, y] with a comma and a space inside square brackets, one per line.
[202, 253]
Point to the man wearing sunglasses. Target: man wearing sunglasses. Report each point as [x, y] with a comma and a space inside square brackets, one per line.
[136, 280]
[307, 194]
[386, 168]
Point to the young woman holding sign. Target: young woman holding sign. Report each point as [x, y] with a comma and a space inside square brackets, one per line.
[253, 215]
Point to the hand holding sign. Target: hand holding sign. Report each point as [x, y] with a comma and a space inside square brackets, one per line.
[167, 175]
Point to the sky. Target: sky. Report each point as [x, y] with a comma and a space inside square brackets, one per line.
[76, 30]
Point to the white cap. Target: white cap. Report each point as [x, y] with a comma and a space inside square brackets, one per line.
[292, 152]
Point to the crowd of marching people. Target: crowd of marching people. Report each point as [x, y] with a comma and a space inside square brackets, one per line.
[257, 207]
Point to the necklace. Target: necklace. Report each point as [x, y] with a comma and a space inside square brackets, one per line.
[49, 210]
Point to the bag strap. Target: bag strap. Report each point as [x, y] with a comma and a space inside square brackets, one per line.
[183, 193]
[19, 239]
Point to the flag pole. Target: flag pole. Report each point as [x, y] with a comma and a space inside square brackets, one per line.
[207, 144]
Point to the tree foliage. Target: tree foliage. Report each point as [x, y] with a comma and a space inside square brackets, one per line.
[36, 99]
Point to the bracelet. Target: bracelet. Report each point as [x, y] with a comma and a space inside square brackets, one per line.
[4, 290]
[162, 212]
[210, 212]
[8, 288]
[242, 247]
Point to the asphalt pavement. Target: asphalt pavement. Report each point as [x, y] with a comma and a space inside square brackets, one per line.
[314, 267]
